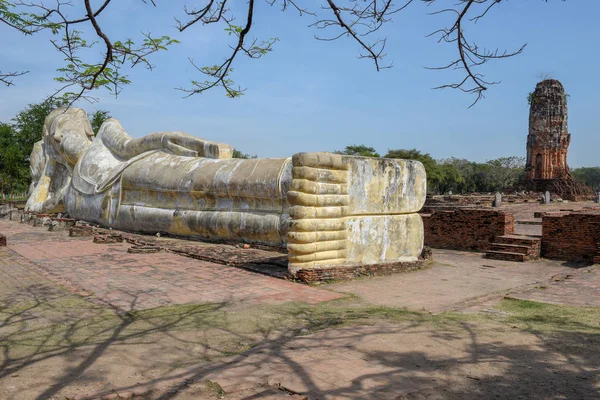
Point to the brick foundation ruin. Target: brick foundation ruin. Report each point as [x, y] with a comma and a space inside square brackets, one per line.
[571, 237]
[565, 187]
[466, 229]
[568, 236]
[350, 272]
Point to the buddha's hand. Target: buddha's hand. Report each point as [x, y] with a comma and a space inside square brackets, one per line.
[182, 145]
[177, 143]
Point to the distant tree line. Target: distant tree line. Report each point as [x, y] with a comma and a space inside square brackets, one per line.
[463, 176]
[588, 175]
[239, 154]
[17, 138]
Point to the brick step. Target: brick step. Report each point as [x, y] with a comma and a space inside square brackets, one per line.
[533, 243]
[522, 240]
[511, 248]
[506, 256]
[529, 222]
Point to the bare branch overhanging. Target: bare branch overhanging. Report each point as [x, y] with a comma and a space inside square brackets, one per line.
[6, 77]
[358, 20]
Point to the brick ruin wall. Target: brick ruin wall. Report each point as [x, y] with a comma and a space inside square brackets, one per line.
[466, 229]
[571, 237]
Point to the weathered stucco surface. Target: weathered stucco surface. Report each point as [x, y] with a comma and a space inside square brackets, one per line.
[328, 209]
[354, 210]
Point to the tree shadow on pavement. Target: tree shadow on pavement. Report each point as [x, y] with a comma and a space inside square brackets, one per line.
[40, 324]
[323, 352]
[411, 360]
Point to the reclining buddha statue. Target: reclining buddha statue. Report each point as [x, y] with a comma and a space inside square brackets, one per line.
[328, 210]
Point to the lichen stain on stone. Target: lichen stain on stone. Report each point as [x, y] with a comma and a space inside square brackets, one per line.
[178, 225]
[105, 208]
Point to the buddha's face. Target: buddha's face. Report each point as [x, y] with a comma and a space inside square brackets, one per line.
[67, 134]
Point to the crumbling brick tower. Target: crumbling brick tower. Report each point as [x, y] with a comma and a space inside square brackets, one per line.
[549, 137]
[547, 144]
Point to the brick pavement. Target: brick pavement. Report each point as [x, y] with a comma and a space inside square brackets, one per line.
[394, 361]
[368, 362]
[107, 273]
[29, 300]
[455, 278]
[582, 288]
[525, 211]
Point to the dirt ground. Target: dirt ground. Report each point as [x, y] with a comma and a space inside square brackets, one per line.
[464, 329]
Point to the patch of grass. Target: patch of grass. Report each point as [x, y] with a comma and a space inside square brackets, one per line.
[352, 310]
[534, 316]
[214, 389]
[206, 331]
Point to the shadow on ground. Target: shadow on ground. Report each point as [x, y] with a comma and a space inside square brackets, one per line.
[55, 343]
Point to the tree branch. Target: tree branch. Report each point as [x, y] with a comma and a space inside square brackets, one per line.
[469, 54]
[5, 77]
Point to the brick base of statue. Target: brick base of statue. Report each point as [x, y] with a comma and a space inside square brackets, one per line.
[566, 187]
[348, 272]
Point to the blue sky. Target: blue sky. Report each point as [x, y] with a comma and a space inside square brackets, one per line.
[317, 96]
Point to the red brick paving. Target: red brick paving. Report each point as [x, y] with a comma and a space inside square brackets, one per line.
[582, 288]
[109, 274]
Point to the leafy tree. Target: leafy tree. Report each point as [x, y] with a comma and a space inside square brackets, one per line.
[239, 154]
[358, 150]
[449, 178]
[359, 21]
[17, 140]
[505, 172]
[494, 175]
[466, 169]
[97, 118]
[13, 172]
[18, 137]
[588, 175]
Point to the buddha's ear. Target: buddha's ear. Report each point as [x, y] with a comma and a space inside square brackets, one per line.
[85, 121]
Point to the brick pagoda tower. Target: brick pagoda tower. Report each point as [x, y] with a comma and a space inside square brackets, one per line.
[549, 138]
[547, 144]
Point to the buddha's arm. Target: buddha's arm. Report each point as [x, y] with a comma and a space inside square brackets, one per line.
[120, 143]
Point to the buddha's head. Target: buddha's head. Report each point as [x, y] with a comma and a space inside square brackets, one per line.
[67, 134]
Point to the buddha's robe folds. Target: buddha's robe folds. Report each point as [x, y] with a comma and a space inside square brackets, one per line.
[156, 191]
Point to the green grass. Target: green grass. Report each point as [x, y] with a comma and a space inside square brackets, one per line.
[70, 322]
[224, 329]
[215, 389]
[543, 317]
